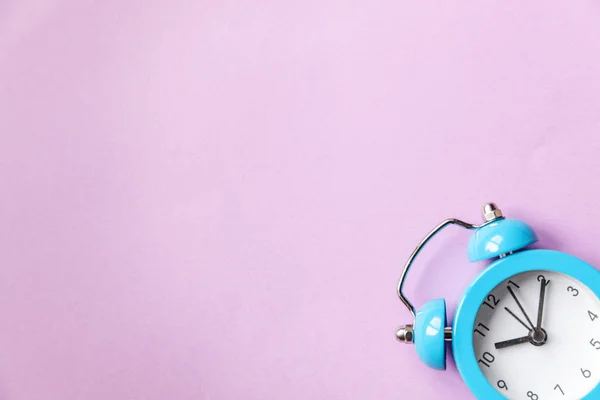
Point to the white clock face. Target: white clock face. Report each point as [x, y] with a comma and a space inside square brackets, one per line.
[558, 358]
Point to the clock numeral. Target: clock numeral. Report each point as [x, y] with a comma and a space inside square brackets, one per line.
[592, 315]
[487, 357]
[491, 301]
[532, 395]
[585, 372]
[514, 284]
[559, 388]
[572, 289]
[595, 344]
[502, 385]
[483, 327]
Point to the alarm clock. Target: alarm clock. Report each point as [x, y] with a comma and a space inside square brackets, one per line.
[527, 327]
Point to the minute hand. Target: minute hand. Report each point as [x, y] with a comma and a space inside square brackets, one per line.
[520, 306]
[544, 283]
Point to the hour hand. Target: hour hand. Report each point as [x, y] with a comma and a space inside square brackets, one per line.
[512, 342]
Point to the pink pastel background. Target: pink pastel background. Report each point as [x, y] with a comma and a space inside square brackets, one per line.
[213, 199]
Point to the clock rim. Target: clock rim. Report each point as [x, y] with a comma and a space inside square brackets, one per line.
[497, 272]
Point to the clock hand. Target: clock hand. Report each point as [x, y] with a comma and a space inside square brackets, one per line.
[512, 342]
[520, 306]
[544, 283]
[517, 318]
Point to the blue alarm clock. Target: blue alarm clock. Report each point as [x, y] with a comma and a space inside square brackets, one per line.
[527, 327]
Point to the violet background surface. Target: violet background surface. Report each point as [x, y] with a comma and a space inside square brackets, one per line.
[213, 199]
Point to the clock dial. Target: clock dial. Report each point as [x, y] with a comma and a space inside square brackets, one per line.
[537, 337]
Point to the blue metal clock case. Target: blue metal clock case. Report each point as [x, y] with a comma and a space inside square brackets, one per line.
[504, 240]
[486, 281]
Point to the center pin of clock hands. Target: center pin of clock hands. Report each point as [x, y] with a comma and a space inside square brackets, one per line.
[537, 335]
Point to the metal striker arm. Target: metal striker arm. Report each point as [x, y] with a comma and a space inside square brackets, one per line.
[490, 213]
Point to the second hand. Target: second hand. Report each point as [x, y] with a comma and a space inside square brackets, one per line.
[521, 307]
